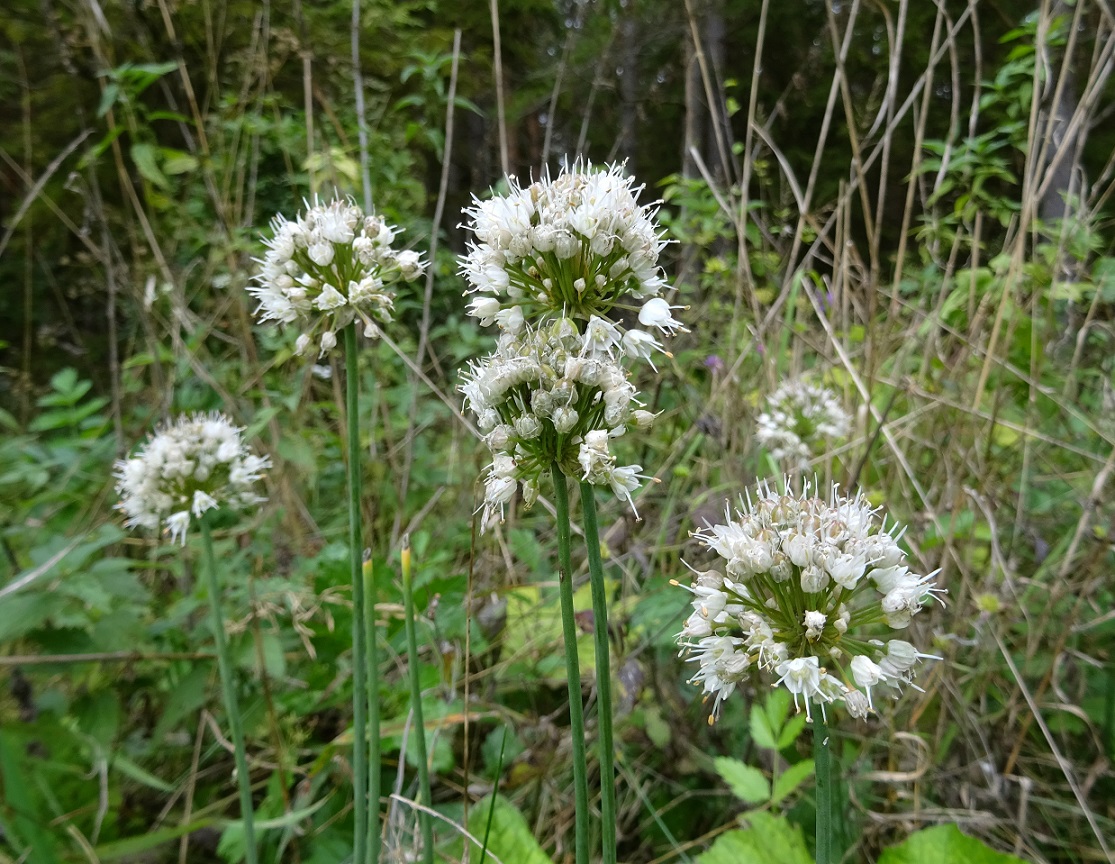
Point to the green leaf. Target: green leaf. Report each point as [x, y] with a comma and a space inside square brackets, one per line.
[747, 783]
[178, 161]
[511, 839]
[790, 779]
[495, 750]
[248, 655]
[26, 820]
[944, 844]
[130, 846]
[791, 731]
[130, 769]
[144, 157]
[761, 731]
[25, 612]
[108, 98]
[769, 840]
[656, 727]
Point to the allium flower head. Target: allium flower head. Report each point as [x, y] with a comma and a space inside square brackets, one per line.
[198, 462]
[578, 245]
[808, 592]
[330, 266]
[548, 395]
[800, 420]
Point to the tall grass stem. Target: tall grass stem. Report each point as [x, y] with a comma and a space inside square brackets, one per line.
[232, 707]
[361, 805]
[603, 674]
[375, 767]
[572, 667]
[413, 673]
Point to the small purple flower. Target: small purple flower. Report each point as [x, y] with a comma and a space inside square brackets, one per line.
[713, 363]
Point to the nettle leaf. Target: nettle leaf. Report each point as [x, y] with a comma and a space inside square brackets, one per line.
[791, 779]
[944, 844]
[791, 731]
[769, 840]
[747, 783]
[762, 733]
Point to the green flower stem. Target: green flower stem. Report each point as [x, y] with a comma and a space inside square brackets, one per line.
[822, 760]
[232, 708]
[572, 666]
[375, 766]
[361, 805]
[603, 674]
[413, 670]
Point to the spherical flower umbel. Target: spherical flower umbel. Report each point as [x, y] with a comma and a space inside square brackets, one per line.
[198, 462]
[330, 266]
[808, 592]
[800, 420]
[548, 396]
[578, 245]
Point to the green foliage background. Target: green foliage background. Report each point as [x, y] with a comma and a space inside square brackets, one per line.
[878, 207]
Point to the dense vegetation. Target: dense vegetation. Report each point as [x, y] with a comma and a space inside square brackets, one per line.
[907, 202]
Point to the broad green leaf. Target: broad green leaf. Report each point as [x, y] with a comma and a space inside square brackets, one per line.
[761, 731]
[747, 783]
[944, 844]
[27, 820]
[144, 157]
[25, 612]
[510, 840]
[656, 727]
[769, 840]
[790, 779]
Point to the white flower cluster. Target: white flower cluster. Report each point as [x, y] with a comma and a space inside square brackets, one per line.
[548, 396]
[579, 246]
[800, 419]
[197, 463]
[329, 267]
[807, 587]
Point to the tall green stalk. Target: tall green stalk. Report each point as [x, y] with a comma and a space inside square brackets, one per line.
[822, 760]
[572, 666]
[424, 818]
[375, 766]
[361, 805]
[232, 707]
[603, 674]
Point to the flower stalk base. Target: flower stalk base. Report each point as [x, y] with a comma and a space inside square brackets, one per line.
[572, 666]
[232, 707]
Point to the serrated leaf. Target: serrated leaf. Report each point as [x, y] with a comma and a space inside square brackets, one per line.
[769, 840]
[761, 731]
[944, 844]
[791, 731]
[747, 783]
[777, 707]
[790, 779]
